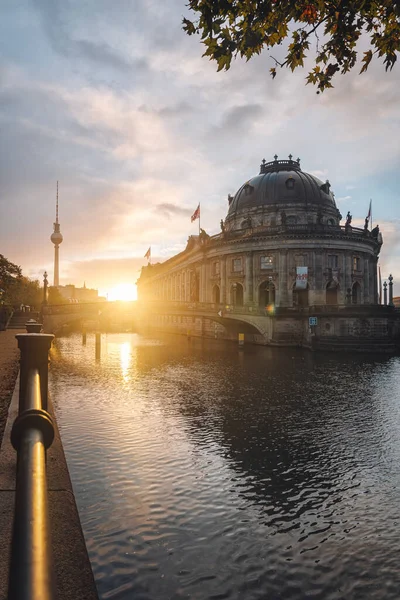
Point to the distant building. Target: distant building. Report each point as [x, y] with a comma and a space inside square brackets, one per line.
[75, 294]
[282, 256]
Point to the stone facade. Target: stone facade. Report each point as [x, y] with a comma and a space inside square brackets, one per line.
[281, 247]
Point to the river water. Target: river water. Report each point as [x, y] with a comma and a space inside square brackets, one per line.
[205, 472]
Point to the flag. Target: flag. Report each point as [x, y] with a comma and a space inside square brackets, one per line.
[369, 210]
[196, 214]
[148, 253]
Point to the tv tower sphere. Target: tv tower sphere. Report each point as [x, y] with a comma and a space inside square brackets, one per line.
[56, 237]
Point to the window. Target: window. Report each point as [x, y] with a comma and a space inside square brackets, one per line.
[356, 263]
[215, 268]
[248, 189]
[292, 220]
[333, 261]
[266, 262]
[290, 183]
[236, 265]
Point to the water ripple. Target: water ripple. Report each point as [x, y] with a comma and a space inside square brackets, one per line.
[202, 472]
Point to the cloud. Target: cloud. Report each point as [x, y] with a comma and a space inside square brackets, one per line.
[171, 210]
[115, 102]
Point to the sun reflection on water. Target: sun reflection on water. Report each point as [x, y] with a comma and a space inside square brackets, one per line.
[125, 361]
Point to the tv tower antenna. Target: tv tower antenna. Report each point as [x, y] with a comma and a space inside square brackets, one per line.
[56, 238]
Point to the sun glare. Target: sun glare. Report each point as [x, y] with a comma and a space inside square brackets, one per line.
[123, 291]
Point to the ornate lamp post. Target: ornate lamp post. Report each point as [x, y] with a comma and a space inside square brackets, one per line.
[45, 283]
[391, 303]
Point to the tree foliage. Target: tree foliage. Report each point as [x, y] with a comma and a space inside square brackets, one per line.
[245, 27]
[55, 296]
[15, 288]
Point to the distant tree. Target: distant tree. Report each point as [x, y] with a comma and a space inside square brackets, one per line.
[15, 288]
[24, 291]
[245, 27]
[55, 297]
[9, 279]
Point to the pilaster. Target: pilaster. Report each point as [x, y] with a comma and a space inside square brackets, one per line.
[283, 278]
[248, 288]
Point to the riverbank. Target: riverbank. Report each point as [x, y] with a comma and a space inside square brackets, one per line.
[73, 573]
[9, 365]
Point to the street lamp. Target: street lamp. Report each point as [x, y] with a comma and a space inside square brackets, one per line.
[45, 283]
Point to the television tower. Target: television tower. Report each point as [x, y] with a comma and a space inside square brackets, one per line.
[56, 238]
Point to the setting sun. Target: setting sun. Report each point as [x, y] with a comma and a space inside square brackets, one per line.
[123, 291]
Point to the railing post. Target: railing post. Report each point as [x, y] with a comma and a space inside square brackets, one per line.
[34, 349]
[31, 570]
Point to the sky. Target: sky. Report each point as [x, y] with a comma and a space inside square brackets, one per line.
[112, 99]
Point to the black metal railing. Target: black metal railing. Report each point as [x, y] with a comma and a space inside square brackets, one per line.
[31, 571]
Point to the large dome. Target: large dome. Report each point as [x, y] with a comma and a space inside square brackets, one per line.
[281, 182]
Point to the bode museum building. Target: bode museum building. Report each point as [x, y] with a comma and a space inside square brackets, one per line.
[283, 270]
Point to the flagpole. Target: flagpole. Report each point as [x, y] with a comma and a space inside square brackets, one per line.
[370, 200]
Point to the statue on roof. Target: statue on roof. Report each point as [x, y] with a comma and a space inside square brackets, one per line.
[203, 237]
[347, 225]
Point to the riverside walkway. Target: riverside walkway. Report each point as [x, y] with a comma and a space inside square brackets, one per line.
[73, 573]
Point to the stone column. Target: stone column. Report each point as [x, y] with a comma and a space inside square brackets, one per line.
[371, 280]
[203, 282]
[283, 278]
[347, 275]
[208, 286]
[248, 291]
[223, 279]
[256, 273]
[318, 294]
[367, 298]
[375, 281]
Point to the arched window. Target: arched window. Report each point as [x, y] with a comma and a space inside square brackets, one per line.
[300, 297]
[266, 294]
[237, 294]
[216, 294]
[356, 293]
[332, 292]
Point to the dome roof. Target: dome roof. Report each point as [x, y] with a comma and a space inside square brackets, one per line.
[281, 182]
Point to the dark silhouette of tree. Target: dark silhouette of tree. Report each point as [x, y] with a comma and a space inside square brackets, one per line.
[55, 297]
[15, 288]
[245, 27]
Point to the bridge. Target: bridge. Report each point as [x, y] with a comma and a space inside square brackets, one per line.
[263, 325]
[98, 314]
[244, 319]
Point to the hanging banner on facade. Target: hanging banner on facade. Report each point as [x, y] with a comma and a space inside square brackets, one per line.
[301, 278]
